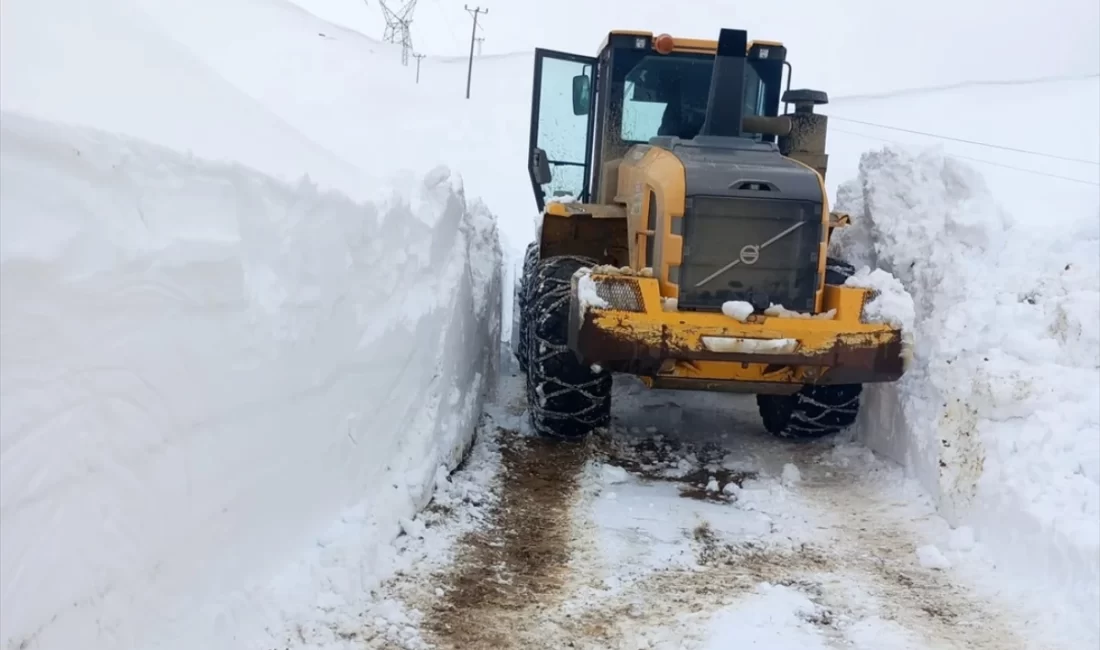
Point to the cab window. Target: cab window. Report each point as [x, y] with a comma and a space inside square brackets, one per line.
[666, 95]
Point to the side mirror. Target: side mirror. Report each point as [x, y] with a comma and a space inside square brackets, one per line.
[582, 87]
[540, 166]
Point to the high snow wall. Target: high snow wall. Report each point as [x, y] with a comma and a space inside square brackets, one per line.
[205, 368]
[999, 415]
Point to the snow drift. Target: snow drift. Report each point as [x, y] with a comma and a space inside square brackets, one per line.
[998, 416]
[203, 368]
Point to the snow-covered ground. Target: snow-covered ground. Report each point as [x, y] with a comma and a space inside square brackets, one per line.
[688, 528]
[251, 309]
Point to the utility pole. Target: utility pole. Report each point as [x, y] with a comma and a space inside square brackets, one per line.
[480, 40]
[418, 57]
[473, 38]
[398, 15]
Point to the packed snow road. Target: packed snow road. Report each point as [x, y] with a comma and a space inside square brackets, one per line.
[686, 526]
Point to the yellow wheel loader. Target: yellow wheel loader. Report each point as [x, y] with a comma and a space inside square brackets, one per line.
[684, 235]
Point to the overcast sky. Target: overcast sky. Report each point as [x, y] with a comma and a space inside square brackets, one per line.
[843, 46]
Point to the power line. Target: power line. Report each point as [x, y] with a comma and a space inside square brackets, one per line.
[473, 38]
[450, 26]
[978, 160]
[973, 142]
[925, 90]
[398, 23]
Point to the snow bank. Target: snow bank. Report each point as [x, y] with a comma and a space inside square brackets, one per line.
[203, 368]
[999, 414]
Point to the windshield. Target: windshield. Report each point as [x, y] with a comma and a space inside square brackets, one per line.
[666, 95]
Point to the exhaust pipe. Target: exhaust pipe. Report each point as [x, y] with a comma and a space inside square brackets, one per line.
[778, 126]
[727, 86]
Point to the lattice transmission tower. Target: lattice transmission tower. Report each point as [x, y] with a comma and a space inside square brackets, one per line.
[398, 14]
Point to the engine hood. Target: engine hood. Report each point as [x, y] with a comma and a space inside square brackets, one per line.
[740, 167]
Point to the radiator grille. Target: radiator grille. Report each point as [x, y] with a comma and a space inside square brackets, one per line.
[761, 251]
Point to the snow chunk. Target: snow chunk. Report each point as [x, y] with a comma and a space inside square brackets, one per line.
[791, 475]
[891, 303]
[737, 309]
[930, 557]
[607, 269]
[563, 199]
[779, 311]
[613, 474]
[586, 292]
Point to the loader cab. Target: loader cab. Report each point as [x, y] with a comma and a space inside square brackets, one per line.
[587, 112]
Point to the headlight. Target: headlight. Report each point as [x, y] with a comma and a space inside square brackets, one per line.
[620, 293]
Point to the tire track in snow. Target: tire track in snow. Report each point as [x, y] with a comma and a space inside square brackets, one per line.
[862, 567]
[825, 558]
[873, 547]
[507, 572]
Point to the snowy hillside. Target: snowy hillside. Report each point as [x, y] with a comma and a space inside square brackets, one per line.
[254, 278]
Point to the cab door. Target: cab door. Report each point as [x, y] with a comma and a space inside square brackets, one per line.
[562, 115]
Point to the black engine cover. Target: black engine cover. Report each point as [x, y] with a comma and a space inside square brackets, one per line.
[752, 226]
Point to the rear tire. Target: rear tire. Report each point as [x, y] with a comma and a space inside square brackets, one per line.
[566, 398]
[814, 411]
[523, 290]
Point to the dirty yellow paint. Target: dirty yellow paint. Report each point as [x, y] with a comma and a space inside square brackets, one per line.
[729, 371]
[660, 173]
[656, 328]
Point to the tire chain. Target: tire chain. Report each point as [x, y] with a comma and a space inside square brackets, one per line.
[808, 411]
[549, 304]
[530, 258]
[811, 405]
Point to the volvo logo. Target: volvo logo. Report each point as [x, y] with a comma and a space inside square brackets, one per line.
[749, 254]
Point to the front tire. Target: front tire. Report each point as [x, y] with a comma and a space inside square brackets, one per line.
[566, 398]
[814, 411]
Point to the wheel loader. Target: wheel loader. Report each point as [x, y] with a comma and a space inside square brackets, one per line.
[683, 239]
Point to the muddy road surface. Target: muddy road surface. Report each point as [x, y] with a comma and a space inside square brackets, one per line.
[687, 527]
